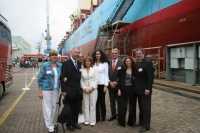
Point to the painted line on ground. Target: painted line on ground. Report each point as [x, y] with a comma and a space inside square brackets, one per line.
[6, 114]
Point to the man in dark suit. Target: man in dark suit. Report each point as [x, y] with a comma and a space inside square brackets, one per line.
[115, 65]
[144, 75]
[70, 83]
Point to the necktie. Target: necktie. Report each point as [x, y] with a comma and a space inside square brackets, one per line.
[113, 65]
[75, 64]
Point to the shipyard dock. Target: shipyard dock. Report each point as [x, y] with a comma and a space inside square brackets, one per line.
[176, 111]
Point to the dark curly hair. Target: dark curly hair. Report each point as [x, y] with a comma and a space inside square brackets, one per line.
[103, 57]
[132, 62]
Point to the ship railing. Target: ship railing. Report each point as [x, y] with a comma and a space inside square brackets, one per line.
[181, 44]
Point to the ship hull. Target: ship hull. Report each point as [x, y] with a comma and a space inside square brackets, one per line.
[178, 23]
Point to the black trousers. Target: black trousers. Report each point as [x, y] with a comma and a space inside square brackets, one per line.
[145, 110]
[100, 105]
[75, 108]
[113, 100]
[127, 99]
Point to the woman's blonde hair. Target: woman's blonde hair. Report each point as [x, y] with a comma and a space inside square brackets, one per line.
[53, 53]
[88, 58]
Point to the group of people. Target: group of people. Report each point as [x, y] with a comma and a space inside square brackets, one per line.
[84, 85]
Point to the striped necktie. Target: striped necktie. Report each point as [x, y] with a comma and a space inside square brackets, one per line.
[113, 65]
[75, 64]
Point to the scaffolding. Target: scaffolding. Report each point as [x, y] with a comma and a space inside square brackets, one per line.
[108, 38]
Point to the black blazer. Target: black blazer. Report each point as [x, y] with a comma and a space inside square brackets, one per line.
[70, 79]
[144, 75]
[113, 74]
[121, 79]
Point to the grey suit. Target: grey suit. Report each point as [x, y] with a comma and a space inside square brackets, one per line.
[113, 91]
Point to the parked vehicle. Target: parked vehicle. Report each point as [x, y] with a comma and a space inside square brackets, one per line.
[5, 56]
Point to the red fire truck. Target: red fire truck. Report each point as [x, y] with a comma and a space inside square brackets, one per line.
[5, 56]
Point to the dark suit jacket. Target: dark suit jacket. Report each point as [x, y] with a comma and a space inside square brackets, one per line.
[113, 74]
[121, 80]
[70, 80]
[144, 75]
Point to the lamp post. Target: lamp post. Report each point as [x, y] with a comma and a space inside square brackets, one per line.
[48, 37]
[39, 47]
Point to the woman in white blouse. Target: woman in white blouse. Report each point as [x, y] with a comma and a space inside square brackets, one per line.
[101, 67]
[89, 86]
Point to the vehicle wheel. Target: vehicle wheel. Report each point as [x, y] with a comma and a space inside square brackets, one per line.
[1, 90]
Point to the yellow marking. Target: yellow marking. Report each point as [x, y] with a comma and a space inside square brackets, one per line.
[33, 78]
[10, 110]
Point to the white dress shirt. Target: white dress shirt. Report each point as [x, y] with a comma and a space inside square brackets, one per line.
[102, 73]
[115, 61]
[74, 62]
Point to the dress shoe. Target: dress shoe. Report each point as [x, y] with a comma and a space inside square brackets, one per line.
[103, 118]
[112, 118]
[147, 128]
[131, 124]
[77, 126]
[122, 124]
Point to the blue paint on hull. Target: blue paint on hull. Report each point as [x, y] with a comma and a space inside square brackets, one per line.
[88, 31]
[143, 8]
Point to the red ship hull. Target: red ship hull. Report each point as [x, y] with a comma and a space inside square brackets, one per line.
[178, 23]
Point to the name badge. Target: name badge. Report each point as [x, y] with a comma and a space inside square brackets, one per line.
[140, 70]
[49, 72]
[65, 79]
[119, 68]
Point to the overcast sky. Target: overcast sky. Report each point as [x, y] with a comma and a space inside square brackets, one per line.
[27, 18]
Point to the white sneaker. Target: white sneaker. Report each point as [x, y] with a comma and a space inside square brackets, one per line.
[86, 123]
[51, 129]
[92, 124]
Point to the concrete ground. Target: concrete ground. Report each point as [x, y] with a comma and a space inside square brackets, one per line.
[20, 111]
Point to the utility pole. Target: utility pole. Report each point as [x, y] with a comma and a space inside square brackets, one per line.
[39, 47]
[48, 37]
